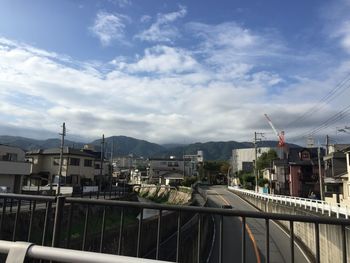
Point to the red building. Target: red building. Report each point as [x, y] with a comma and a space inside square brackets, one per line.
[304, 171]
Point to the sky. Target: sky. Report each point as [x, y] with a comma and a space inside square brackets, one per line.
[175, 71]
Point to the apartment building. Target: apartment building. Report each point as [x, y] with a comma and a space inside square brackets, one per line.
[13, 168]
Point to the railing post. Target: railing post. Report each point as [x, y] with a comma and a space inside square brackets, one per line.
[58, 219]
[346, 212]
[337, 211]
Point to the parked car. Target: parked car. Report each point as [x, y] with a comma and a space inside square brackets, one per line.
[226, 206]
[4, 189]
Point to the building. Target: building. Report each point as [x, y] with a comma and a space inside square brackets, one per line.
[166, 170]
[335, 169]
[79, 167]
[346, 179]
[278, 177]
[192, 162]
[243, 159]
[13, 168]
[304, 171]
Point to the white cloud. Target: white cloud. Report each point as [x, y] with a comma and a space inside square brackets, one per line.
[213, 92]
[344, 34]
[109, 26]
[164, 59]
[162, 30]
[337, 22]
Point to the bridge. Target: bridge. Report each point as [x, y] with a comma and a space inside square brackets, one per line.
[69, 229]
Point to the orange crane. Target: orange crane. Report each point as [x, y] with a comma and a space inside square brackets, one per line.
[280, 135]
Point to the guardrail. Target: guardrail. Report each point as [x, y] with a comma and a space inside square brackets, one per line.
[61, 225]
[305, 203]
[18, 251]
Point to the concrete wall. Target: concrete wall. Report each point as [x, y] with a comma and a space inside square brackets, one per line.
[330, 236]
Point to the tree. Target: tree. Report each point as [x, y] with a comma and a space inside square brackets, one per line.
[225, 166]
[265, 160]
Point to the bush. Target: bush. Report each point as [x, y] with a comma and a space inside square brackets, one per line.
[188, 181]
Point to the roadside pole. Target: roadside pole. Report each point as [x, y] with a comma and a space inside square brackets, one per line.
[61, 160]
[101, 166]
[320, 177]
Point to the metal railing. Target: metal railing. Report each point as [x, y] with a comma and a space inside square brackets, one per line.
[18, 251]
[306, 203]
[57, 225]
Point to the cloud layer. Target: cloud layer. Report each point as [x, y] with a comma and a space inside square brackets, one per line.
[216, 89]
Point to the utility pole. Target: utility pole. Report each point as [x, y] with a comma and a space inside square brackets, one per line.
[320, 172]
[327, 144]
[101, 165]
[256, 139]
[61, 160]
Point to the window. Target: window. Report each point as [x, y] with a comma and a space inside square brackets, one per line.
[305, 155]
[97, 166]
[9, 157]
[173, 164]
[74, 161]
[56, 161]
[87, 163]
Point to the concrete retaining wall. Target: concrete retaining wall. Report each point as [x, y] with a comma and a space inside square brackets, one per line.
[331, 248]
[165, 194]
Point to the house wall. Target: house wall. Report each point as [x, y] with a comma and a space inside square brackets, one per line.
[45, 163]
[12, 167]
[346, 182]
[339, 166]
[294, 181]
[83, 171]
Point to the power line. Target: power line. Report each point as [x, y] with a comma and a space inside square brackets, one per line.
[339, 88]
[330, 121]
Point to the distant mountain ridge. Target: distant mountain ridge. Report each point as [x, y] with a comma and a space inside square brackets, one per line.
[123, 145]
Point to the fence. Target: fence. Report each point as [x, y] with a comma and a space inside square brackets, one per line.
[18, 251]
[57, 225]
[305, 203]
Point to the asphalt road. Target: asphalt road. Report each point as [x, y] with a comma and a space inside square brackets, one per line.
[255, 234]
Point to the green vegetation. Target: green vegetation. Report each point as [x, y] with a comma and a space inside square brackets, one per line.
[265, 160]
[188, 181]
[95, 222]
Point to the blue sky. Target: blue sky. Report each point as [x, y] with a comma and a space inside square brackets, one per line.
[172, 71]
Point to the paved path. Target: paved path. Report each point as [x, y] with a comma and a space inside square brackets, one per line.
[256, 241]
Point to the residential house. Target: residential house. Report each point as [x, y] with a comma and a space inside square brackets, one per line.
[280, 185]
[79, 166]
[346, 179]
[304, 171]
[335, 169]
[166, 170]
[13, 168]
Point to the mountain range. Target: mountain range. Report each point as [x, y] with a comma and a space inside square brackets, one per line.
[123, 145]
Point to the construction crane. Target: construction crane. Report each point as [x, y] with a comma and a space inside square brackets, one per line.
[280, 135]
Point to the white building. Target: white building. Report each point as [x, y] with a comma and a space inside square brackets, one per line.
[243, 159]
[79, 167]
[12, 168]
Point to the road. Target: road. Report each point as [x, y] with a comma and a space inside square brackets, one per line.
[256, 241]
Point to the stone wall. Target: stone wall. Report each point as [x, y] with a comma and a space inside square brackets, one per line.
[162, 194]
